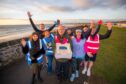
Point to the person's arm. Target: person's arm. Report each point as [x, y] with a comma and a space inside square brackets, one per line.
[56, 23]
[91, 26]
[51, 28]
[25, 49]
[98, 28]
[24, 46]
[32, 23]
[108, 33]
[86, 35]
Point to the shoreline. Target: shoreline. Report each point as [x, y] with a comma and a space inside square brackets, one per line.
[24, 34]
[15, 36]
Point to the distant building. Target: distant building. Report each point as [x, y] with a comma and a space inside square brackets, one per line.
[120, 24]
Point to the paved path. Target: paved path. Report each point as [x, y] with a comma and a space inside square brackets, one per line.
[20, 73]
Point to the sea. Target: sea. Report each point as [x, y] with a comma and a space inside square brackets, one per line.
[11, 32]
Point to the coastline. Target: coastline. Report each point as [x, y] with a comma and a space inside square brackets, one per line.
[19, 35]
[11, 49]
[15, 36]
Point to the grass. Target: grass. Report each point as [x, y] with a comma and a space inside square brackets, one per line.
[111, 59]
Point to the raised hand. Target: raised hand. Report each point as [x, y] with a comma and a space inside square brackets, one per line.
[23, 42]
[29, 14]
[92, 24]
[57, 22]
[109, 25]
[100, 22]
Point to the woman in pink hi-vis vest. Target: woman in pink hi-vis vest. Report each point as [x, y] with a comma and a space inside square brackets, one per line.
[92, 46]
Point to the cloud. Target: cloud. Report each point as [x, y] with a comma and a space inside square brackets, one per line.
[76, 5]
[88, 4]
[18, 8]
[62, 5]
[58, 9]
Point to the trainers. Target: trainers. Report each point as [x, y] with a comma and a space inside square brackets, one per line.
[33, 79]
[85, 83]
[77, 73]
[84, 71]
[88, 73]
[72, 77]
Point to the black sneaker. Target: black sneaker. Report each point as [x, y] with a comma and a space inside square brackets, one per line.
[40, 79]
[33, 81]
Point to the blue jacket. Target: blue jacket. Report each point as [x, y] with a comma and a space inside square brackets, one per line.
[48, 44]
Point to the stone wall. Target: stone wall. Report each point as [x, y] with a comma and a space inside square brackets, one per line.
[9, 52]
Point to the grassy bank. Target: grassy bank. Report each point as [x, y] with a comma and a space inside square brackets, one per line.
[111, 59]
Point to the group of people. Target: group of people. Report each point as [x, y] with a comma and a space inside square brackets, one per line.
[67, 48]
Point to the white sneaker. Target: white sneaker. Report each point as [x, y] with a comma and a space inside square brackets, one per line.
[89, 73]
[77, 73]
[72, 78]
[84, 71]
[85, 83]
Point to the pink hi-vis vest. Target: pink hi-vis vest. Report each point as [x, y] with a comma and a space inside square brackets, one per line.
[92, 45]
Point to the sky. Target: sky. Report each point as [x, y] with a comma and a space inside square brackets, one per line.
[63, 9]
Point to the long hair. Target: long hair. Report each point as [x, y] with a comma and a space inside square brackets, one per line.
[31, 36]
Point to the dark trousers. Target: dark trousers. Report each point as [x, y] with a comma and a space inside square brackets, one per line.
[75, 64]
[62, 70]
[35, 72]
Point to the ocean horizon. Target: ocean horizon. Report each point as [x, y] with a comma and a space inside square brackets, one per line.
[12, 32]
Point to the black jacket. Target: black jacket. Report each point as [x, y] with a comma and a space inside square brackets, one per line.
[41, 33]
[35, 52]
[87, 34]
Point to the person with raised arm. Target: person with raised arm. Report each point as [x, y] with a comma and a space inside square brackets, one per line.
[41, 28]
[78, 42]
[92, 46]
[34, 51]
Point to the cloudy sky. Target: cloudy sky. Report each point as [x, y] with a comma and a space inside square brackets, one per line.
[63, 9]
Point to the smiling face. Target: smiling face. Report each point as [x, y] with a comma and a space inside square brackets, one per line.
[85, 29]
[42, 27]
[69, 32]
[78, 33]
[35, 37]
[47, 34]
[61, 30]
[93, 31]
